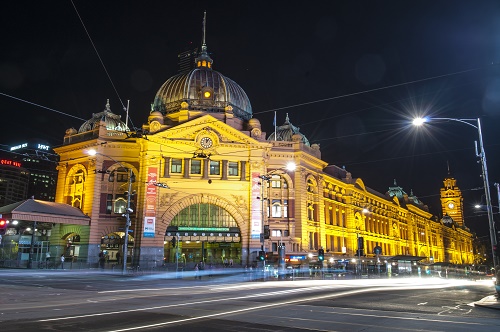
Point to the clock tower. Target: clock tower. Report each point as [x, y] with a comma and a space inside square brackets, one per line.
[452, 200]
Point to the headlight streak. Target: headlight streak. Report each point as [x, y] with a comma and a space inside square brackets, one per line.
[315, 298]
[366, 288]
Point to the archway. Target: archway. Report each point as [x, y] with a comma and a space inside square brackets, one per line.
[203, 232]
[112, 247]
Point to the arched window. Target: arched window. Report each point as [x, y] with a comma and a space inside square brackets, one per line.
[120, 205]
[204, 215]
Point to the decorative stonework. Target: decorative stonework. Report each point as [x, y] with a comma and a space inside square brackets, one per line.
[167, 200]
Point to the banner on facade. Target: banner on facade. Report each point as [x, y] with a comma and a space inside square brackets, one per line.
[256, 218]
[150, 212]
[149, 226]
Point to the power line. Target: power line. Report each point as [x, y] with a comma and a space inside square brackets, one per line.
[375, 89]
[100, 59]
[47, 108]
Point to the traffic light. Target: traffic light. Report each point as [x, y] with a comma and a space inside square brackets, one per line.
[496, 249]
[361, 243]
[262, 256]
[267, 232]
[174, 242]
[3, 226]
[321, 255]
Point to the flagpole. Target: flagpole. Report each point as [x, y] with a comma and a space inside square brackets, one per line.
[274, 125]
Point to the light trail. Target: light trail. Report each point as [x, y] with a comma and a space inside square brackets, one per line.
[407, 284]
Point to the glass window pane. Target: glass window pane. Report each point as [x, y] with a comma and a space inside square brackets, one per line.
[214, 168]
[233, 168]
[176, 166]
[195, 166]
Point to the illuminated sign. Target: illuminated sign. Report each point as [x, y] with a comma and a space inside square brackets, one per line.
[38, 146]
[43, 147]
[20, 146]
[10, 162]
[205, 229]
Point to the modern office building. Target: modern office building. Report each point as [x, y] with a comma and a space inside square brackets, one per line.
[14, 178]
[39, 159]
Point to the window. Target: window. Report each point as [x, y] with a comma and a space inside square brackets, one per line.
[233, 168]
[276, 181]
[120, 205]
[176, 166]
[276, 233]
[109, 203]
[195, 166]
[285, 208]
[276, 209]
[214, 168]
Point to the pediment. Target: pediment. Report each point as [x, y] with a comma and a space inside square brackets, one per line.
[192, 132]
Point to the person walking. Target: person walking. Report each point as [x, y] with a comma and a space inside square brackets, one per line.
[118, 255]
[62, 261]
[102, 259]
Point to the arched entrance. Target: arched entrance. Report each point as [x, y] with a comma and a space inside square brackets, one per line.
[112, 247]
[203, 232]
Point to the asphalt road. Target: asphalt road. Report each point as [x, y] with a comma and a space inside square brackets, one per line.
[94, 301]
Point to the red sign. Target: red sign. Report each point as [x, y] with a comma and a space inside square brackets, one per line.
[10, 162]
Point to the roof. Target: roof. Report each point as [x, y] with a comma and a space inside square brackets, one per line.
[42, 211]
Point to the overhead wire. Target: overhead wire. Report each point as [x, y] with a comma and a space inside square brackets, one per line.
[100, 59]
[375, 89]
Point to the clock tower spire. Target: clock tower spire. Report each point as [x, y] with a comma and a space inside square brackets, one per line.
[452, 200]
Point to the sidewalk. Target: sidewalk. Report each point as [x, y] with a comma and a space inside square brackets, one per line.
[492, 302]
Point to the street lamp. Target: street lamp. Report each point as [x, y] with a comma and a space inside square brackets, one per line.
[482, 155]
[291, 166]
[127, 211]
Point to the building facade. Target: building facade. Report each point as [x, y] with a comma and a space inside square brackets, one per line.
[14, 179]
[209, 183]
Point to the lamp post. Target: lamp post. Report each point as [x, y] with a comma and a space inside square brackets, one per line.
[265, 180]
[127, 211]
[482, 155]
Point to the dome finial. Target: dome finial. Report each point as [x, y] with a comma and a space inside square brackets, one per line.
[204, 44]
[204, 60]
[108, 107]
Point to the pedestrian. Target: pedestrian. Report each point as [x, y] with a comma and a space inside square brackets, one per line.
[101, 260]
[196, 271]
[62, 261]
[118, 255]
[47, 256]
[201, 267]
[230, 262]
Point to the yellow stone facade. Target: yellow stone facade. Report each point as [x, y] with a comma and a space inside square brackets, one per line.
[203, 165]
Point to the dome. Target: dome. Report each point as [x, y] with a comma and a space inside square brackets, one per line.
[111, 120]
[396, 191]
[288, 132]
[203, 89]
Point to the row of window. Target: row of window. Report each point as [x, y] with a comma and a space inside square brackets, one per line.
[195, 167]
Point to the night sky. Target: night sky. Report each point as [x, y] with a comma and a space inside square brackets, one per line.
[350, 74]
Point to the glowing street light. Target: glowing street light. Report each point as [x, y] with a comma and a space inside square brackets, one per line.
[482, 155]
[128, 211]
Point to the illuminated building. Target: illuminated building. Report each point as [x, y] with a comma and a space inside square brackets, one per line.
[199, 164]
[13, 181]
[37, 157]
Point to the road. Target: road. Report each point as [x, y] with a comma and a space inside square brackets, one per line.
[93, 301]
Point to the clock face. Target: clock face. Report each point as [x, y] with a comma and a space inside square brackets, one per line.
[206, 142]
[451, 205]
